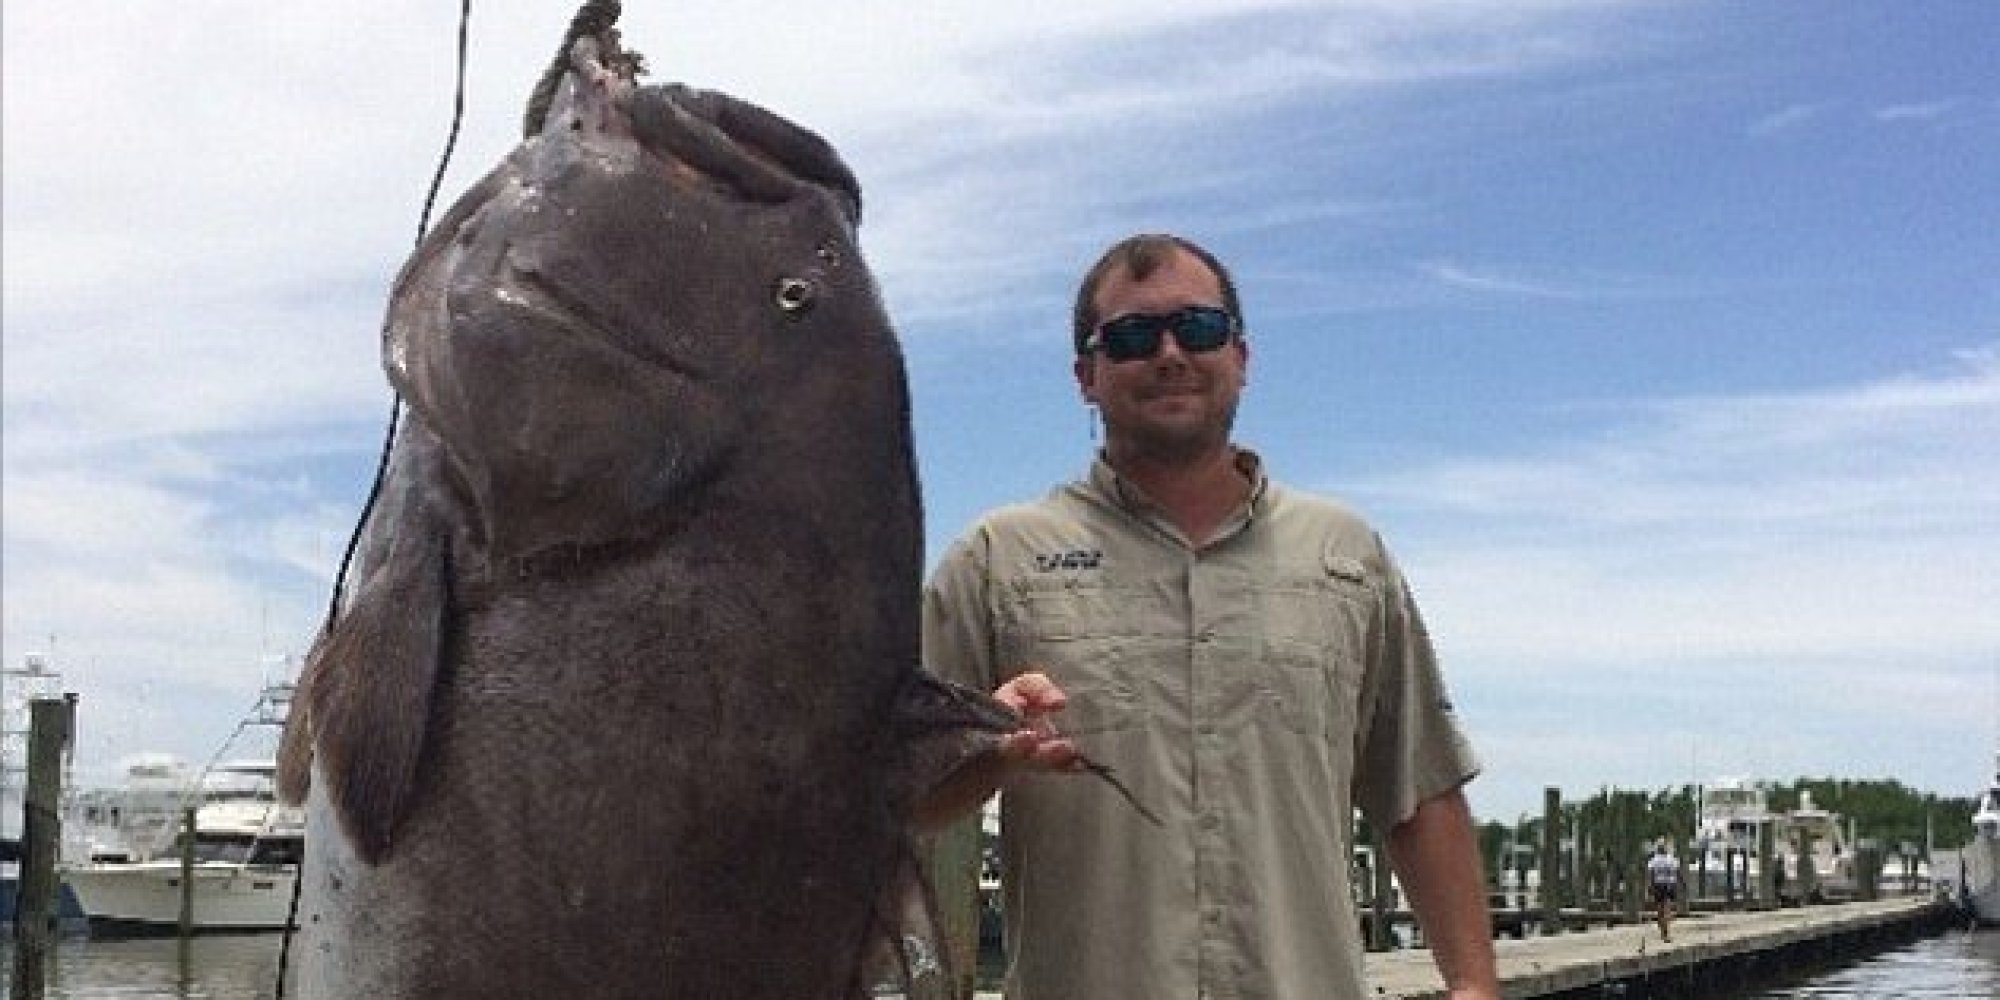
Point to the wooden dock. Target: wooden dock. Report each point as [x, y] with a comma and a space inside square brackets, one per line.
[1707, 950]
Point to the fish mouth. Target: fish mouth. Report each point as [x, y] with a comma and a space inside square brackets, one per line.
[737, 148]
[565, 313]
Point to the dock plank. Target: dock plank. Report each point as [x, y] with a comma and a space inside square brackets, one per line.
[1545, 965]
[1542, 966]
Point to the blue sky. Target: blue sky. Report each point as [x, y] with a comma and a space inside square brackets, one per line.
[1661, 340]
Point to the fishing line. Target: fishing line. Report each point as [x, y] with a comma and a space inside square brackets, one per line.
[382, 463]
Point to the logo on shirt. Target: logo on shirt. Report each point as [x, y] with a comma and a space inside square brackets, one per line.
[1072, 559]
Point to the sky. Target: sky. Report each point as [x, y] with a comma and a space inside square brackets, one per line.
[1661, 340]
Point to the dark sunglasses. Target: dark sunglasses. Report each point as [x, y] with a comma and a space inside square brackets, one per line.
[1136, 336]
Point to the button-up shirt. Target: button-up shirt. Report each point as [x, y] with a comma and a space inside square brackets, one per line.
[1252, 691]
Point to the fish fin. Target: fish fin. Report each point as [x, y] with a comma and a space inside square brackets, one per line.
[908, 944]
[367, 687]
[295, 752]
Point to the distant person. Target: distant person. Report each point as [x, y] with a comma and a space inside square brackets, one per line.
[1663, 874]
[1247, 658]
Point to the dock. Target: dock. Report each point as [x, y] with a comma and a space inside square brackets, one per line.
[1709, 951]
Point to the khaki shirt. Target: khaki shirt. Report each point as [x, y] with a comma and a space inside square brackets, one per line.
[1251, 692]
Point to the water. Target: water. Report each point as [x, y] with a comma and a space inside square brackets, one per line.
[217, 967]
[1958, 965]
[1954, 966]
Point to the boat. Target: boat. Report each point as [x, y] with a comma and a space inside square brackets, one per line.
[1810, 835]
[132, 821]
[239, 862]
[1728, 837]
[1978, 869]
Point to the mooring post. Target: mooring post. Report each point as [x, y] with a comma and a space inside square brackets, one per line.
[1868, 871]
[50, 724]
[187, 872]
[1768, 862]
[1551, 891]
[1808, 871]
[953, 863]
[1381, 905]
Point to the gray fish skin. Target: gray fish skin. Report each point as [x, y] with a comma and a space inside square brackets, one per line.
[625, 699]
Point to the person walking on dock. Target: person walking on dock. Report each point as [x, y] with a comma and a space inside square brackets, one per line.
[1663, 872]
[1246, 655]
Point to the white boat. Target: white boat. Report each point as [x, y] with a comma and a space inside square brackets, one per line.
[130, 822]
[1811, 835]
[1978, 885]
[246, 847]
[1728, 846]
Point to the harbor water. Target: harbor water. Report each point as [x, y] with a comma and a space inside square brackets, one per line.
[1957, 965]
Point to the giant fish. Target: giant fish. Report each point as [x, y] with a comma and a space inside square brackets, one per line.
[625, 698]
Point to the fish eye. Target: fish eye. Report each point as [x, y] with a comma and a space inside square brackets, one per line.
[794, 296]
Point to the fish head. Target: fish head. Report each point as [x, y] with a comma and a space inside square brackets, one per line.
[661, 290]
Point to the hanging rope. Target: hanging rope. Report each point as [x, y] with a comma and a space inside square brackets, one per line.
[382, 463]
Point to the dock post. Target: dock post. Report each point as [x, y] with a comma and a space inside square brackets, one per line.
[1381, 908]
[1808, 872]
[187, 872]
[1868, 871]
[1551, 891]
[51, 723]
[953, 863]
[1767, 871]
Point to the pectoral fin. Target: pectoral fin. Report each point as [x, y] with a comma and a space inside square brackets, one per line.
[365, 693]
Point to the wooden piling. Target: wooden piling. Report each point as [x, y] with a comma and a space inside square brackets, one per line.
[953, 866]
[1769, 862]
[187, 873]
[51, 723]
[1551, 891]
[1381, 907]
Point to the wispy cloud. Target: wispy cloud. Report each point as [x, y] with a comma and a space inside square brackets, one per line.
[1927, 111]
[1785, 119]
[1570, 283]
[1710, 559]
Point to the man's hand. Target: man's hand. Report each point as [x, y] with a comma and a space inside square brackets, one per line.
[1036, 744]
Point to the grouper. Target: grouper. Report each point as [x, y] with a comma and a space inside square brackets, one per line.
[625, 698]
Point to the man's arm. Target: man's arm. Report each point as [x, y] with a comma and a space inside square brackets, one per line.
[1436, 854]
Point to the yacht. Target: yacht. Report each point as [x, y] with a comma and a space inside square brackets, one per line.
[234, 867]
[1978, 882]
[245, 851]
[1728, 849]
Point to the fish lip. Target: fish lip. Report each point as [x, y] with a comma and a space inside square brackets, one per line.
[523, 288]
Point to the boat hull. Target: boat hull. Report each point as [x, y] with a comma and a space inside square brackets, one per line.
[1979, 879]
[145, 898]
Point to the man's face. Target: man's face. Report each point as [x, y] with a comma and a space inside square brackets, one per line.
[1176, 404]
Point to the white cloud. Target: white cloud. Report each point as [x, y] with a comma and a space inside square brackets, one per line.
[1922, 112]
[1785, 119]
[1828, 556]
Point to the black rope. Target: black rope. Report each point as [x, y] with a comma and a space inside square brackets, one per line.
[382, 464]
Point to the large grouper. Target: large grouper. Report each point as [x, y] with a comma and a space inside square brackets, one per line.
[624, 700]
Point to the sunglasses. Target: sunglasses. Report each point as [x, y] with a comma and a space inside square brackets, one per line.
[1136, 336]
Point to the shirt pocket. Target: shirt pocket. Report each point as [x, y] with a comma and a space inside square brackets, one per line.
[1084, 637]
[1310, 659]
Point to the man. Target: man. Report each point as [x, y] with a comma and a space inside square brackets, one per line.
[1245, 657]
[1663, 873]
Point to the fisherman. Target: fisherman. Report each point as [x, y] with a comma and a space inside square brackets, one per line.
[1663, 873]
[1245, 656]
